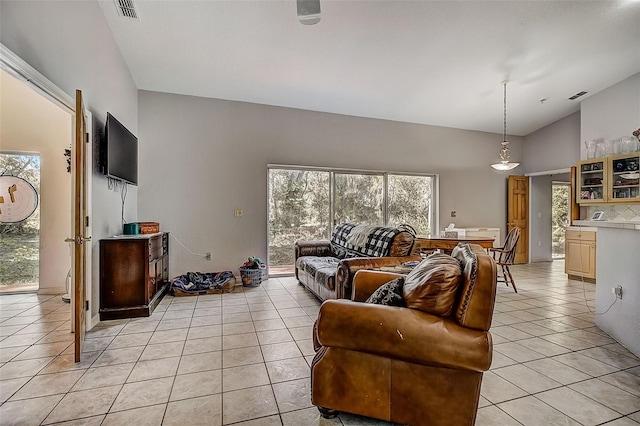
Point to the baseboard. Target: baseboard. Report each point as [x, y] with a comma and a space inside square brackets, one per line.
[94, 321]
[52, 290]
[579, 278]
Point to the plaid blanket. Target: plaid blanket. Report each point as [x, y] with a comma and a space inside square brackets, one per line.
[377, 244]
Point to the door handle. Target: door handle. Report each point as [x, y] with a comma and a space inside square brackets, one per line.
[77, 240]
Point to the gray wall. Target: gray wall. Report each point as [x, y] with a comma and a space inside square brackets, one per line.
[71, 44]
[554, 147]
[611, 113]
[207, 157]
[540, 191]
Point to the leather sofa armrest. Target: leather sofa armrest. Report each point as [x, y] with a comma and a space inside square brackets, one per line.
[320, 248]
[401, 333]
[347, 269]
[365, 282]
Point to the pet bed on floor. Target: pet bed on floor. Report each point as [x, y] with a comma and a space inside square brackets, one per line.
[195, 283]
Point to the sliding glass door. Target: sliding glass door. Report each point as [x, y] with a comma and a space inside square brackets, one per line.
[357, 198]
[298, 210]
[306, 203]
[410, 201]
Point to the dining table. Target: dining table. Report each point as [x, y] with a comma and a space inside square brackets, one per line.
[427, 244]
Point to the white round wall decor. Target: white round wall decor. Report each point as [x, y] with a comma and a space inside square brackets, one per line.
[18, 199]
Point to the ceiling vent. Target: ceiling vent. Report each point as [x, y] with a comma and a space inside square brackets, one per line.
[577, 95]
[126, 8]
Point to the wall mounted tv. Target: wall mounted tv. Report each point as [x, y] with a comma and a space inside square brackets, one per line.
[121, 152]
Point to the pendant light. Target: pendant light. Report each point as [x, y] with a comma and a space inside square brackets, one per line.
[505, 154]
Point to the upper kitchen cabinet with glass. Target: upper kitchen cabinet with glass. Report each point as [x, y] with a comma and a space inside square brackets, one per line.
[592, 176]
[624, 181]
[609, 180]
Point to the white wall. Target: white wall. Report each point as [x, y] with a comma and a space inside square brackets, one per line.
[202, 158]
[617, 264]
[71, 44]
[29, 122]
[554, 147]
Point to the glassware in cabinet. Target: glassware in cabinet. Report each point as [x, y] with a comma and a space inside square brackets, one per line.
[592, 181]
[625, 178]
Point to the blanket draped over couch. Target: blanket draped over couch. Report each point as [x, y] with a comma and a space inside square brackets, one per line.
[327, 268]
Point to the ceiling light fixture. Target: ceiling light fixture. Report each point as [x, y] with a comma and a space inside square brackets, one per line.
[505, 154]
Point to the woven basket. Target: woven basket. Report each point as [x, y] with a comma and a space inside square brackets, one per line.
[251, 277]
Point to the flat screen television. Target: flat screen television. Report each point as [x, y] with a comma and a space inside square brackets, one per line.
[121, 152]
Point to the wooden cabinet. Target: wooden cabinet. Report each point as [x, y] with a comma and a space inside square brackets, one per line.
[624, 181]
[609, 180]
[580, 253]
[592, 180]
[134, 275]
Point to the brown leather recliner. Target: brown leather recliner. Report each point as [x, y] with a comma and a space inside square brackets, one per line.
[404, 365]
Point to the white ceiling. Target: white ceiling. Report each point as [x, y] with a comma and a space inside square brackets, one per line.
[430, 62]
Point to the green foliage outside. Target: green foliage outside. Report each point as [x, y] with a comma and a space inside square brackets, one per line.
[299, 205]
[410, 202]
[298, 210]
[19, 242]
[358, 199]
[559, 218]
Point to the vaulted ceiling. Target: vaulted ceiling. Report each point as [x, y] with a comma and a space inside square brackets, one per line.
[432, 62]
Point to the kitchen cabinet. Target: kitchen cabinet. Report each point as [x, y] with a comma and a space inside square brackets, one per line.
[609, 180]
[580, 253]
[592, 179]
[624, 180]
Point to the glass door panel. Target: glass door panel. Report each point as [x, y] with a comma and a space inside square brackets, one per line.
[19, 233]
[409, 202]
[560, 213]
[298, 210]
[358, 198]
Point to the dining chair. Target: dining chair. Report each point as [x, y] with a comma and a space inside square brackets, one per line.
[505, 255]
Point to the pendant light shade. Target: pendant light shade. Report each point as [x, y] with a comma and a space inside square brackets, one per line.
[505, 154]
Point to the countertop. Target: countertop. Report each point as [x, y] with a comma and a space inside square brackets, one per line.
[605, 224]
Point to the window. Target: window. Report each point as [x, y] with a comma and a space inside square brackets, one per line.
[358, 198]
[20, 241]
[560, 210]
[306, 203]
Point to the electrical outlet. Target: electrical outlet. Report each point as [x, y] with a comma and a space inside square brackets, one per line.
[208, 255]
[453, 213]
[237, 212]
[618, 291]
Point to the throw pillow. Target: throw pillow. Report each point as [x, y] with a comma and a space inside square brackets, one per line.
[389, 294]
[432, 285]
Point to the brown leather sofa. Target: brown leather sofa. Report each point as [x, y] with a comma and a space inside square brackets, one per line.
[404, 365]
[327, 267]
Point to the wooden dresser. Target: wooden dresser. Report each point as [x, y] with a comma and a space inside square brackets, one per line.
[134, 274]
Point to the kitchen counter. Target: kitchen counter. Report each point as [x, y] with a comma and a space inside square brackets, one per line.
[607, 224]
[581, 228]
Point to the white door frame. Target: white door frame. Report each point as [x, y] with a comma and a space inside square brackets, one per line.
[14, 65]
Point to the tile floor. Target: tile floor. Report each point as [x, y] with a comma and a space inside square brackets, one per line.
[243, 359]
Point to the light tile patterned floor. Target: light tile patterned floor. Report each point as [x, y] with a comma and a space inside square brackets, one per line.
[243, 358]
